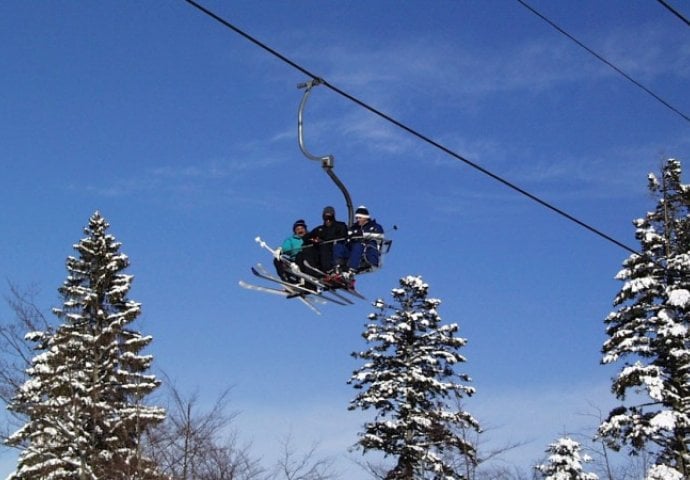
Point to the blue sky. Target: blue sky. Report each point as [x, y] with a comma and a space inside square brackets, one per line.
[183, 135]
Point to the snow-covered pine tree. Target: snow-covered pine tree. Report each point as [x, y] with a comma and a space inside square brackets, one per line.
[565, 462]
[410, 378]
[649, 333]
[83, 399]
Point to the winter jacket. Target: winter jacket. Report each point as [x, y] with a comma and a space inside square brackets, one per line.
[292, 246]
[364, 246]
[333, 231]
[369, 232]
[327, 250]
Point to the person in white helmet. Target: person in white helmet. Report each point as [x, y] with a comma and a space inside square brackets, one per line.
[363, 248]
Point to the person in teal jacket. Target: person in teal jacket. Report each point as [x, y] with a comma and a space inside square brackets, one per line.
[292, 245]
[293, 249]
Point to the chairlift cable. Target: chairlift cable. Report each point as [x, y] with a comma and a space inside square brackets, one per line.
[603, 60]
[674, 11]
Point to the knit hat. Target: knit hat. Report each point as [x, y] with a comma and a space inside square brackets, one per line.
[328, 212]
[299, 223]
[362, 212]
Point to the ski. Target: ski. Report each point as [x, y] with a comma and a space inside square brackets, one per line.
[317, 281]
[340, 300]
[261, 272]
[281, 292]
[276, 291]
[351, 290]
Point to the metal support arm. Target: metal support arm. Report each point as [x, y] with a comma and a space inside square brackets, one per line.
[327, 161]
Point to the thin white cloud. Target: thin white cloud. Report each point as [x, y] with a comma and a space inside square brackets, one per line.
[646, 53]
[567, 175]
[181, 179]
[449, 71]
[374, 134]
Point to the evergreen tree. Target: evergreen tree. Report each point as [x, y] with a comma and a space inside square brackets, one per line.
[565, 462]
[410, 379]
[84, 395]
[648, 333]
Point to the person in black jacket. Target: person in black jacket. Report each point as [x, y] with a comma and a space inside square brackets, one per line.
[329, 240]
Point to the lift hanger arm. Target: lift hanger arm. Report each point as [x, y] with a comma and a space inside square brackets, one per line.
[327, 161]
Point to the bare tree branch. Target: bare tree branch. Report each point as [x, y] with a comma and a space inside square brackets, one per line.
[16, 352]
[307, 466]
[199, 445]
